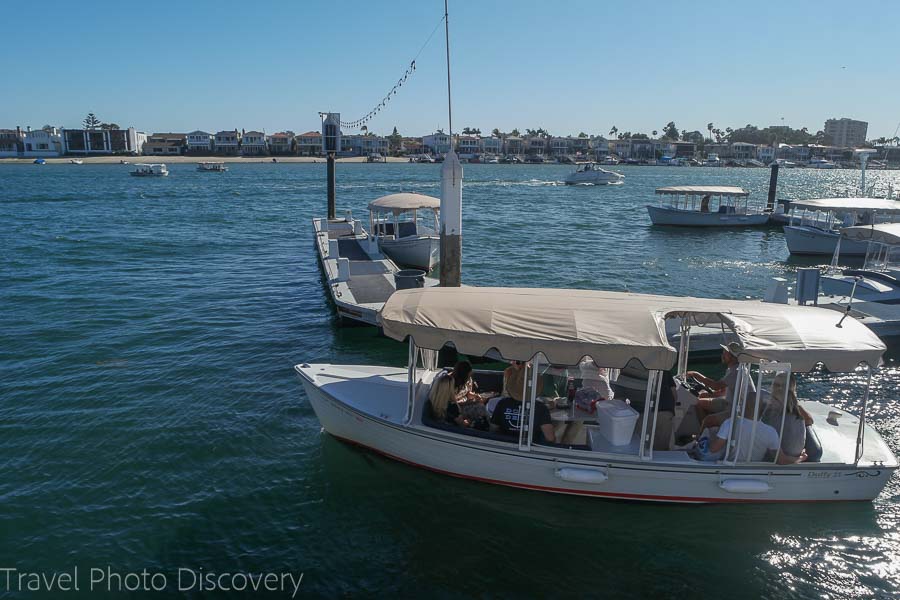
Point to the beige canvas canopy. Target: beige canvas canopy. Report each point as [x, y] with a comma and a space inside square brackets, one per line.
[881, 205]
[702, 190]
[883, 233]
[614, 328]
[404, 201]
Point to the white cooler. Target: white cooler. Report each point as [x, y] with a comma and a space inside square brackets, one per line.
[616, 421]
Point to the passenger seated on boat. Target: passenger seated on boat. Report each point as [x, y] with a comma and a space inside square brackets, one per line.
[704, 203]
[765, 440]
[722, 389]
[596, 378]
[454, 400]
[514, 381]
[796, 419]
[506, 417]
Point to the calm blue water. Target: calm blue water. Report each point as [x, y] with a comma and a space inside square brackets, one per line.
[149, 417]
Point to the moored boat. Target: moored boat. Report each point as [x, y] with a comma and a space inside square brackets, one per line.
[879, 278]
[405, 226]
[389, 410]
[150, 170]
[814, 225]
[705, 206]
[76, 161]
[216, 167]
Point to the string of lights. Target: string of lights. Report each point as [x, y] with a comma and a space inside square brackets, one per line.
[361, 122]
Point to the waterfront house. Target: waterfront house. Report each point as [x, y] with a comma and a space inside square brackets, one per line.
[720, 149]
[684, 149]
[765, 154]
[281, 143]
[558, 146]
[513, 145]
[743, 151]
[253, 143]
[42, 142]
[165, 144]
[412, 145]
[199, 142]
[228, 143]
[580, 145]
[491, 145]
[467, 145]
[601, 148]
[103, 141]
[309, 143]
[12, 142]
[436, 143]
[535, 144]
[364, 145]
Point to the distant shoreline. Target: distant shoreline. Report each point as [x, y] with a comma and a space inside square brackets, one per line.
[115, 160]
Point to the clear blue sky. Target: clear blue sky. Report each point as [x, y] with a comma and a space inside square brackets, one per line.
[565, 66]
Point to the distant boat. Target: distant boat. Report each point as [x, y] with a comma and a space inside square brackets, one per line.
[375, 157]
[712, 160]
[76, 161]
[40, 161]
[212, 166]
[705, 206]
[592, 173]
[150, 170]
[610, 160]
[821, 163]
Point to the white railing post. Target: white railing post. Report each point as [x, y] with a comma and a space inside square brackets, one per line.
[861, 433]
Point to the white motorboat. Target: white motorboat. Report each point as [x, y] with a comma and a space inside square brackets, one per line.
[150, 170]
[387, 409]
[879, 278]
[76, 161]
[610, 160]
[705, 206]
[593, 174]
[712, 160]
[821, 163]
[814, 225]
[405, 226]
[214, 167]
[784, 163]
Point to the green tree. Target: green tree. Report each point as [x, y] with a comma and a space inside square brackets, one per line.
[109, 126]
[395, 140]
[91, 121]
[582, 135]
[496, 133]
[655, 133]
[613, 131]
[709, 128]
[670, 131]
[639, 136]
[515, 133]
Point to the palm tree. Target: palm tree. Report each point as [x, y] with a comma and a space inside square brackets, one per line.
[709, 127]
[613, 131]
[655, 132]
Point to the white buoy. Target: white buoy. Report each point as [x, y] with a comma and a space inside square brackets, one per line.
[451, 221]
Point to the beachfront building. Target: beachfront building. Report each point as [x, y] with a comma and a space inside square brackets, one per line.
[309, 143]
[467, 145]
[683, 149]
[535, 144]
[743, 151]
[491, 145]
[228, 143]
[253, 143]
[199, 142]
[793, 152]
[103, 141]
[436, 143]
[765, 154]
[579, 145]
[514, 145]
[281, 143]
[364, 145]
[165, 144]
[601, 148]
[11, 142]
[42, 142]
[558, 146]
[412, 145]
[847, 133]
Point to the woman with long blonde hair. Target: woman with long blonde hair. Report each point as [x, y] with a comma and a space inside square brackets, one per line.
[785, 405]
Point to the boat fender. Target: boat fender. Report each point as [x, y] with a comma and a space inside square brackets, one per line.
[581, 475]
[745, 486]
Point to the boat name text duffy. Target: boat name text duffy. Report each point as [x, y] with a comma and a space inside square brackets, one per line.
[108, 580]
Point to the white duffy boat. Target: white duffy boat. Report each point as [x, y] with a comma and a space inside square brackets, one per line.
[593, 174]
[405, 226]
[814, 225]
[215, 167]
[387, 410]
[150, 170]
[879, 278]
[705, 206]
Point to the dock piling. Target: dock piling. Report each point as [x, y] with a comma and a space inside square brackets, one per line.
[451, 221]
[331, 185]
[773, 186]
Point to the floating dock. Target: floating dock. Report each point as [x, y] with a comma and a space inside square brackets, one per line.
[359, 277]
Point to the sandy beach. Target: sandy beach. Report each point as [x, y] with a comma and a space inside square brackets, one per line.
[115, 160]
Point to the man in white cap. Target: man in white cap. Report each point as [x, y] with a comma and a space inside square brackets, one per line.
[719, 402]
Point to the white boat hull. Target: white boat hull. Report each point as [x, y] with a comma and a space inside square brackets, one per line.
[870, 286]
[561, 470]
[662, 215]
[420, 252]
[593, 178]
[802, 239]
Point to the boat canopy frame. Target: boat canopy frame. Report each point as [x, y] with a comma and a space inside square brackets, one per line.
[707, 199]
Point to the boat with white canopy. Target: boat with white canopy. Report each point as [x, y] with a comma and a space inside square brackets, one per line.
[150, 170]
[388, 410]
[405, 226]
[879, 278]
[706, 206]
[593, 174]
[814, 225]
[214, 167]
